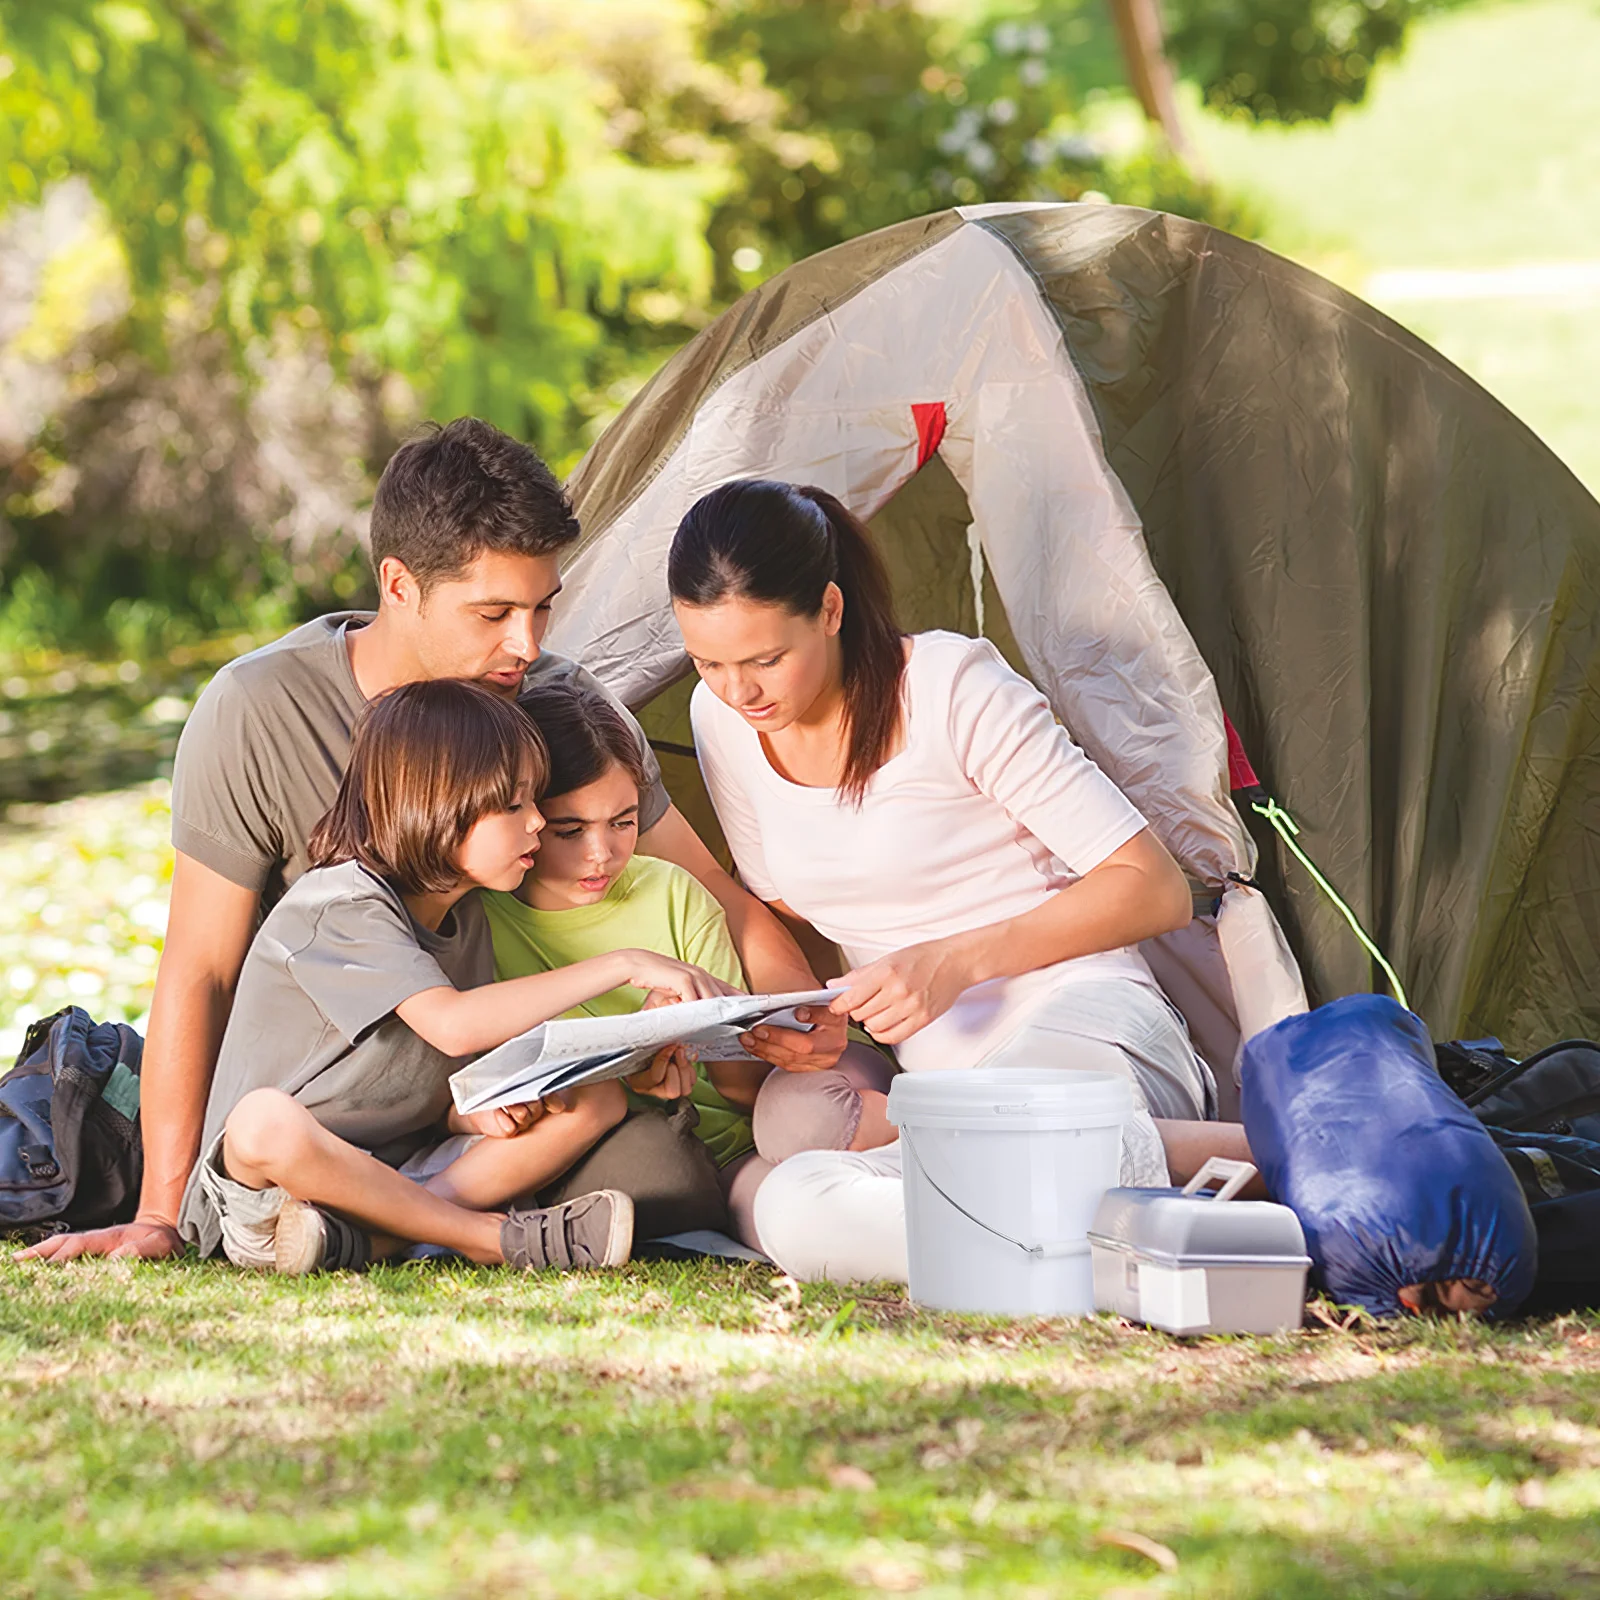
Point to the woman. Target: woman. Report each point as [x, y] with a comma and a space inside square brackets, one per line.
[915, 801]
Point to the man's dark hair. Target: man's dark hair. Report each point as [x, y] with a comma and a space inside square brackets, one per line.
[462, 489]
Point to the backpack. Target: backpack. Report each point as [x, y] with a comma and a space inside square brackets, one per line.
[1544, 1114]
[1556, 1090]
[70, 1152]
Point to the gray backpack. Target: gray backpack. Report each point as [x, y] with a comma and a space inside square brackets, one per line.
[70, 1153]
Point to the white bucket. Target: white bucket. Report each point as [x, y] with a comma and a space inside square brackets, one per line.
[1003, 1169]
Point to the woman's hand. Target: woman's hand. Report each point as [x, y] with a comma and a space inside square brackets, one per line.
[895, 996]
[679, 980]
[797, 1051]
[670, 1075]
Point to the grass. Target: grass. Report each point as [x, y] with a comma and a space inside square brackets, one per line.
[1479, 147]
[711, 1430]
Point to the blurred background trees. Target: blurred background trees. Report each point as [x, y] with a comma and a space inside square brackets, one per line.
[246, 244]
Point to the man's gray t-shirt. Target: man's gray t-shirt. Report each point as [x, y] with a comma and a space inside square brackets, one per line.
[314, 1015]
[261, 757]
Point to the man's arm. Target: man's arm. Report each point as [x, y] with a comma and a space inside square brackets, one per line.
[772, 960]
[209, 927]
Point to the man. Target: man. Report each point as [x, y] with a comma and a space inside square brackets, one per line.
[467, 531]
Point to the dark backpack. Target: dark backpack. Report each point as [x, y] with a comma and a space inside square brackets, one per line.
[1556, 1090]
[69, 1130]
[1544, 1113]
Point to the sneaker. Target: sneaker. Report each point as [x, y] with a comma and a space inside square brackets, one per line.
[595, 1230]
[309, 1239]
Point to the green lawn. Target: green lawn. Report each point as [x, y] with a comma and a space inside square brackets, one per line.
[1479, 148]
[699, 1430]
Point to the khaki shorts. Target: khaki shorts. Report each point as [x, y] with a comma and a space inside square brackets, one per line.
[248, 1217]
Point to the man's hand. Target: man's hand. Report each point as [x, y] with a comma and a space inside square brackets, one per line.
[504, 1122]
[139, 1240]
[892, 998]
[670, 1075]
[795, 1051]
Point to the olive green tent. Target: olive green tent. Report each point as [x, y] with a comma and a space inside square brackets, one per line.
[1174, 476]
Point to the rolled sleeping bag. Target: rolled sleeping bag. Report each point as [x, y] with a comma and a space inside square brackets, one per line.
[1394, 1180]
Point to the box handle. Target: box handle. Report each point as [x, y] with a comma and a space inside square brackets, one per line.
[1236, 1173]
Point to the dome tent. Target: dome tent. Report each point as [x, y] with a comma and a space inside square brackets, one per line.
[1170, 473]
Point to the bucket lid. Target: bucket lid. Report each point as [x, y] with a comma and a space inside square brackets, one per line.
[988, 1095]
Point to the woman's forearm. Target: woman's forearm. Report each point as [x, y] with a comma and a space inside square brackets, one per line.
[1137, 893]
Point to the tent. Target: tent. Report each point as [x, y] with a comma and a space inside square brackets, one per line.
[1173, 476]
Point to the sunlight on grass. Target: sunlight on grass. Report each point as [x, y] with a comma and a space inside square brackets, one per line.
[677, 1430]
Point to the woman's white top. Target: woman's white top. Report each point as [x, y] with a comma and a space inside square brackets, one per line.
[988, 809]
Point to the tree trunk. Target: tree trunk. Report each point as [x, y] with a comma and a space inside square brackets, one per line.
[1138, 25]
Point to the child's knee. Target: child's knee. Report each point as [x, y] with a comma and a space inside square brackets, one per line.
[264, 1133]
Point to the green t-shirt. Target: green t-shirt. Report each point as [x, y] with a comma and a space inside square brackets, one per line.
[653, 905]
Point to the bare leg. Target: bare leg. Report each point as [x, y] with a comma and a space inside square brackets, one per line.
[1189, 1145]
[493, 1172]
[271, 1139]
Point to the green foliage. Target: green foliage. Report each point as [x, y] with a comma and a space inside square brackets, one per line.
[1286, 60]
[430, 188]
[319, 220]
[892, 110]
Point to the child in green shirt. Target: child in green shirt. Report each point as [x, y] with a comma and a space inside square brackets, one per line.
[588, 893]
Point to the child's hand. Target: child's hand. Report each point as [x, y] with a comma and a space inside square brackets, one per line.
[647, 970]
[504, 1122]
[670, 1075]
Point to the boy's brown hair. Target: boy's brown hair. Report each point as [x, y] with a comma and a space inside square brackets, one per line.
[427, 761]
[456, 491]
[584, 736]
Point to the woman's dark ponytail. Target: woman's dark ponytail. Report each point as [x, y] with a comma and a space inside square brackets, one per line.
[782, 545]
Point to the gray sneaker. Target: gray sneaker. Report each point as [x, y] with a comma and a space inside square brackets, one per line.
[595, 1230]
[309, 1239]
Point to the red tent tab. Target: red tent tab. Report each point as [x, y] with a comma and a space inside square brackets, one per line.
[1241, 775]
[930, 421]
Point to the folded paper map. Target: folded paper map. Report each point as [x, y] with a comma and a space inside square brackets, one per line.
[569, 1052]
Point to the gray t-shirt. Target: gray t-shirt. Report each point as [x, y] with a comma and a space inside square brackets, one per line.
[261, 756]
[314, 1015]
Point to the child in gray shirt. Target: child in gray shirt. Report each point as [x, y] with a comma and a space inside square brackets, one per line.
[368, 984]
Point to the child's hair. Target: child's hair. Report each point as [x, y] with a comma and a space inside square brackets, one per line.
[428, 760]
[584, 735]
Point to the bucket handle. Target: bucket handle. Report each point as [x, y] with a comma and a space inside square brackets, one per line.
[1040, 1252]
[1235, 1173]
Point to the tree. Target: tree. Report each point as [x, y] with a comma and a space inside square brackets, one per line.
[431, 189]
[1286, 60]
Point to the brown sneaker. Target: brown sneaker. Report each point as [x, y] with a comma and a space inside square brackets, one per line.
[595, 1230]
[309, 1239]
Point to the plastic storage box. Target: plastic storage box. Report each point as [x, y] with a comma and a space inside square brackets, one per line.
[1190, 1262]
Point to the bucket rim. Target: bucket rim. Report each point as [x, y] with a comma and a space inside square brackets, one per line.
[996, 1096]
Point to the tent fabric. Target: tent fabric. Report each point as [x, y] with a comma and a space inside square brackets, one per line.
[1179, 475]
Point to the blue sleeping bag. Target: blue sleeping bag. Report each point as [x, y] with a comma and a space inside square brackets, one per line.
[1394, 1180]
